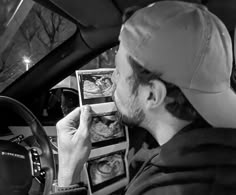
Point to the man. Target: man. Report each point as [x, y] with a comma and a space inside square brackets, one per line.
[172, 78]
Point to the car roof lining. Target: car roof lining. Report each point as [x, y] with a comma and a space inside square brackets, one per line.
[102, 13]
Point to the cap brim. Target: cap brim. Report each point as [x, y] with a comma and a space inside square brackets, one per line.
[218, 109]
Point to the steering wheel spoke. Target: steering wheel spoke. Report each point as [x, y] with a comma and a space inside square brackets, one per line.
[42, 165]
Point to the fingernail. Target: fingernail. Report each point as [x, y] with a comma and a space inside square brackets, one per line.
[87, 108]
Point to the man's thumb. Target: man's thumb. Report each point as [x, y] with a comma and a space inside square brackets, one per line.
[85, 116]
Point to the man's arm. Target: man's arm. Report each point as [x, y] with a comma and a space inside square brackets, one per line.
[74, 147]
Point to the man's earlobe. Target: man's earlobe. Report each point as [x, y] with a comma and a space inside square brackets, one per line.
[157, 94]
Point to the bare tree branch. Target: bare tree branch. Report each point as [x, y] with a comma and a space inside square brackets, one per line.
[42, 20]
[43, 42]
[51, 27]
[4, 56]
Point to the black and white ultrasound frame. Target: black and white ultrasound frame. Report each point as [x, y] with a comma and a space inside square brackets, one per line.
[113, 184]
[111, 140]
[80, 74]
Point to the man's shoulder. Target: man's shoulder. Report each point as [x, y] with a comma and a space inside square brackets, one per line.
[156, 180]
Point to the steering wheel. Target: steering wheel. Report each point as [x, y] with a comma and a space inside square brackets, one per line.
[19, 165]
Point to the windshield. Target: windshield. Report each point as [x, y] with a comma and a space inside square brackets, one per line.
[28, 33]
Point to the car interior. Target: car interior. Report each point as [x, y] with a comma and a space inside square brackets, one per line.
[43, 43]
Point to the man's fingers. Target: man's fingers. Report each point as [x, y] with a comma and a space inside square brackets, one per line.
[85, 119]
[73, 115]
[71, 120]
[79, 119]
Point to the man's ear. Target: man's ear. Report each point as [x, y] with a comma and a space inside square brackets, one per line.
[157, 94]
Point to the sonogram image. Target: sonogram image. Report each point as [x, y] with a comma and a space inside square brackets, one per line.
[96, 85]
[105, 128]
[106, 168]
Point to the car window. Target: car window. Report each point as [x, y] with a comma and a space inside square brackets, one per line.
[105, 60]
[32, 33]
[64, 96]
[7, 10]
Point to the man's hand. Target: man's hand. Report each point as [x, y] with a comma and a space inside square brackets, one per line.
[74, 145]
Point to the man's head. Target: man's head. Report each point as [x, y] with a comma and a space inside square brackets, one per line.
[179, 48]
[139, 91]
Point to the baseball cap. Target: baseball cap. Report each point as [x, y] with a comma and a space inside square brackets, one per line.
[189, 47]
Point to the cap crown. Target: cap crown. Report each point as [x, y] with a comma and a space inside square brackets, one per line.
[185, 43]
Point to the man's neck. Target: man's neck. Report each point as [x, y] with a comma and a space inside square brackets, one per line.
[164, 127]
